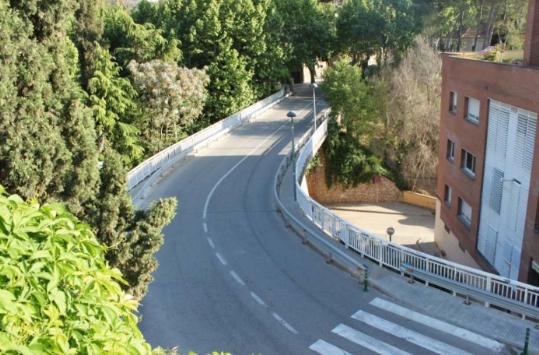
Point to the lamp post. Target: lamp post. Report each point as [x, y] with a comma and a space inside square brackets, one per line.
[291, 114]
[314, 86]
[390, 231]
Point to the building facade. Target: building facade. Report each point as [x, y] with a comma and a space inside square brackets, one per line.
[488, 173]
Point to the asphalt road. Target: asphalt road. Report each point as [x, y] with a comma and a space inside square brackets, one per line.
[233, 278]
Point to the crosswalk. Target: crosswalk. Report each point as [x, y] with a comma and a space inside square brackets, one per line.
[395, 334]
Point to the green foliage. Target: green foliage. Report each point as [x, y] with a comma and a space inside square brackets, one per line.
[113, 100]
[382, 28]
[52, 131]
[172, 98]
[57, 294]
[347, 162]
[349, 96]
[129, 41]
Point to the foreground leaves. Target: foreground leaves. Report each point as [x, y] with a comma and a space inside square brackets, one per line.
[57, 294]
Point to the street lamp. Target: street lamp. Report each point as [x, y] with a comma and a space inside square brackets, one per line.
[390, 231]
[314, 86]
[291, 114]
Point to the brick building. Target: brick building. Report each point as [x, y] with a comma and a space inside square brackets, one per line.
[488, 174]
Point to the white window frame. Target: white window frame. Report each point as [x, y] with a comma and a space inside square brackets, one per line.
[453, 101]
[473, 109]
[448, 191]
[468, 171]
[450, 154]
[465, 212]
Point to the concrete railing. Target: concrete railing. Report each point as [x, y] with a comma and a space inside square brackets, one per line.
[515, 296]
[202, 138]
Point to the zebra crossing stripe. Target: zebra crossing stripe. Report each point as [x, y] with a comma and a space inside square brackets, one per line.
[324, 348]
[438, 325]
[398, 331]
[366, 341]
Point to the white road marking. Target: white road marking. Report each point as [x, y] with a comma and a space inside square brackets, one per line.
[210, 242]
[237, 277]
[438, 325]
[205, 226]
[366, 341]
[324, 348]
[221, 259]
[284, 323]
[207, 202]
[258, 299]
[411, 336]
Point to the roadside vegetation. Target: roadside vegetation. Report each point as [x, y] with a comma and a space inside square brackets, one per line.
[384, 80]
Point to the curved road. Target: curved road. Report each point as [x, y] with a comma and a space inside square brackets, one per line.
[233, 278]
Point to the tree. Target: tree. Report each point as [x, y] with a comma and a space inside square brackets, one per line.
[47, 144]
[128, 41]
[113, 100]
[172, 98]
[57, 293]
[348, 94]
[412, 114]
[306, 34]
[49, 147]
[133, 237]
[382, 28]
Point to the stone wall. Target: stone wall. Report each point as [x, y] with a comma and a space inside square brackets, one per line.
[380, 189]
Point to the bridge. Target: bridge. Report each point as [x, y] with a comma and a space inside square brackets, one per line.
[236, 276]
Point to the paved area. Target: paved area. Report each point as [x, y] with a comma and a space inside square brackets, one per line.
[232, 277]
[414, 226]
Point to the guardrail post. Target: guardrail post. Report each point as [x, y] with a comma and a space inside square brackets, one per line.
[526, 342]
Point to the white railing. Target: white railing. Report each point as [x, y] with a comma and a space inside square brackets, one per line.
[398, 257]
[202, 138]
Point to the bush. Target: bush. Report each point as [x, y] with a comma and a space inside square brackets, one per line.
[57, 294]
[347, 161]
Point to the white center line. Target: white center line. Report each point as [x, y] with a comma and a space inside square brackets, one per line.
[284, 323]
[221, 259]
[409, 335]
[210, 242]
[237, 277]
[207, 202]
[205, 226]
[438, 325]
[208, 198]
[258, 299]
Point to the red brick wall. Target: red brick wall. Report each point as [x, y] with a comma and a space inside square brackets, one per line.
[531, 47]
[384, 190]
[511, 84]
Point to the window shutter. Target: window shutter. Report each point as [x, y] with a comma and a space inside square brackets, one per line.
[498, 129]
[525, 140]
[496, 190]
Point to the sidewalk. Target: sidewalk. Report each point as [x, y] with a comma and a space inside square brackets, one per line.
[504, 327]
[414, 226]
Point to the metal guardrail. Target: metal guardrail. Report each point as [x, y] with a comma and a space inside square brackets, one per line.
[178, 150]
[501, 291]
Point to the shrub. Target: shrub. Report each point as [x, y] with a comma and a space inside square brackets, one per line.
[57, 294]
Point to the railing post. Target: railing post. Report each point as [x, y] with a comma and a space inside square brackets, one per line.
[488, 289]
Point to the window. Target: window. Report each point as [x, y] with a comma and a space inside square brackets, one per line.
[465, 212]
[468, 163]
[447, 195]
[450, 150]
[472, 109]
[453, 101]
